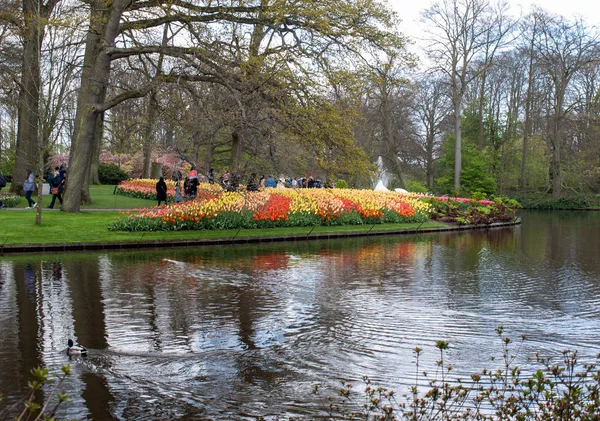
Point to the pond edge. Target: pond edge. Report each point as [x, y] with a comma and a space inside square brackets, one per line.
[184, 243]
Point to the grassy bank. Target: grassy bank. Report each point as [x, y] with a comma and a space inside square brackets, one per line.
[91, 226]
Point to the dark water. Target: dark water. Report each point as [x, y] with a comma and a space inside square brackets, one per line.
[244, 332]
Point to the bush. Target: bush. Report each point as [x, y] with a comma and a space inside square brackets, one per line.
[341, 184]
[415, 186]
[479, 212]
[111, 174]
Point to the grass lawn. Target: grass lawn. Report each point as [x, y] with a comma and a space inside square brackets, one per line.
[91, 226]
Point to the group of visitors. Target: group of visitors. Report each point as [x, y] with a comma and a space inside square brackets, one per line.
[295, 183]
[229, 182]
[56, 181]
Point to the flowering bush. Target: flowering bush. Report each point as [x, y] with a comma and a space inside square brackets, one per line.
[10, 200]
[470, 211]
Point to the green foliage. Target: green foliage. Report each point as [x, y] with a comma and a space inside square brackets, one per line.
[7, 163]
[558, 390]
[476, 174]
[29, 406]
[416, 186]
[479, 196]
[111, 174]
[341, 184]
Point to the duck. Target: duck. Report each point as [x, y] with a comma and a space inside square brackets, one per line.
[76, 349]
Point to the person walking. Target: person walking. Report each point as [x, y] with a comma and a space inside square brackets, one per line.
[161, 191]
[2, 184]
[29, 187]
[178, 197]
[57, 186]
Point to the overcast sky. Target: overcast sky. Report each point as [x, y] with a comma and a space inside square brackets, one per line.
[410, 10]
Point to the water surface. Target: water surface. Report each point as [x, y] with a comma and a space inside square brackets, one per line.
[240, 332]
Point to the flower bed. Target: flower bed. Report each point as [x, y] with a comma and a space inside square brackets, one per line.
[278, 208]
[10, 200]
[144, 188]
[214, 208]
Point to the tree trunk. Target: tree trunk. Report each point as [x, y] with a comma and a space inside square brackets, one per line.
[457, 145]
[98, 136]
[156, 171]
[28, 108]
[209, 152]
[104, 25]
[149, 137]
[429, 153]
[237, 144]
[480, 134]
[555, 164]
[527, 124]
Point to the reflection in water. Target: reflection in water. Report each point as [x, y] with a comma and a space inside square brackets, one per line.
[241, 332]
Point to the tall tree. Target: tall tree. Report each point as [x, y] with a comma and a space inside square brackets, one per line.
[302, 37]
[432, 109]
[463, 33]
[563, 49]
[35, 14]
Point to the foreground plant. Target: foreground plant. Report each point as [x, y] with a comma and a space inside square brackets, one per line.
[28, 407]
[558, 390]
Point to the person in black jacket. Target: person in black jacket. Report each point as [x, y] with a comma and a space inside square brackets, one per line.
[57, 186]
[161, 191]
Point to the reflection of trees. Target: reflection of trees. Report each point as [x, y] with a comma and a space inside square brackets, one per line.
[87, 301]
[97, 396]
[28, 330]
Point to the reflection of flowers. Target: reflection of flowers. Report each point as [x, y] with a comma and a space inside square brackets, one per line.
[273, 261]
[379, 254]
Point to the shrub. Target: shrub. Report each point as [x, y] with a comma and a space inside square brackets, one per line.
[557, 390]
[480, 212]
[415, 186]
[111, 174]
[341, 184]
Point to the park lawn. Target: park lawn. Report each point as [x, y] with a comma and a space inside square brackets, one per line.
[103, 197]
[90, 226]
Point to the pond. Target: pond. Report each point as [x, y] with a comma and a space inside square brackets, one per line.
[242, 332]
